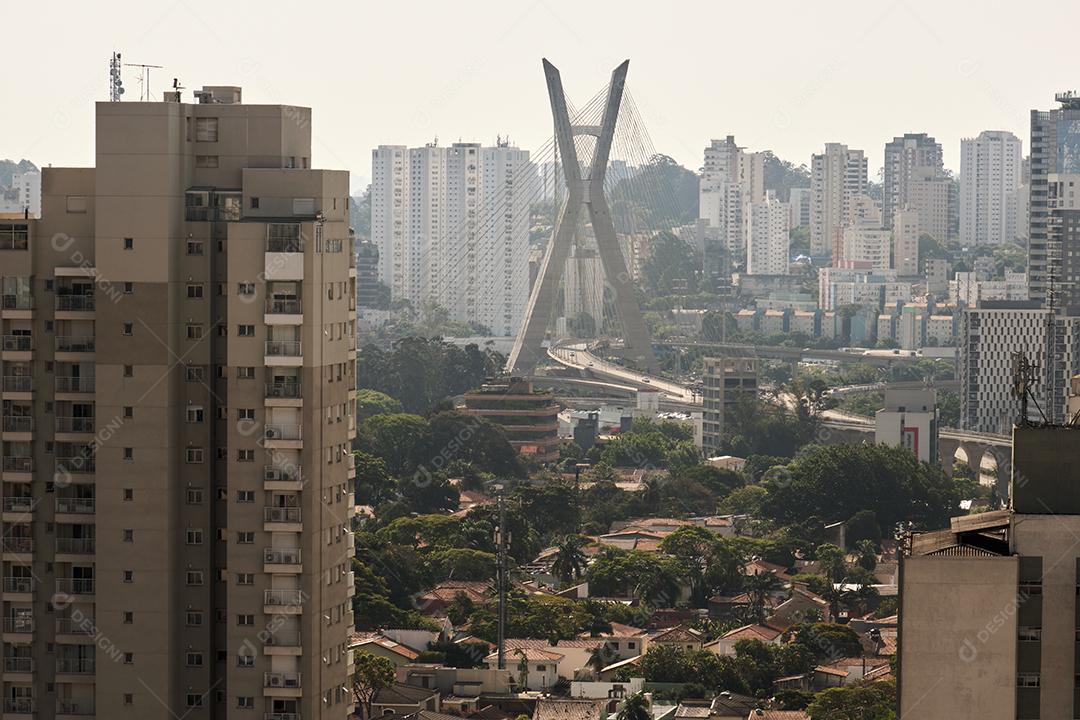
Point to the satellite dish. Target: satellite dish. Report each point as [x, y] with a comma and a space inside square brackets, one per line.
[120, 90]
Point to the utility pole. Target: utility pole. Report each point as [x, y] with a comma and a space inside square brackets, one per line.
[501, 537]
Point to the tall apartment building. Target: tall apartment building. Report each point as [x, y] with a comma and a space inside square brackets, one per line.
[178, 379]
[991, 188]
[988, 336]
[768, 250]
[1063, 238]
[928, 196]
[732, 180]
[452, 228]
[988, 616]
[837, 177]
[903, 156]
[799, 204]
[726, 380]
[864, 247]
[1055, 149]
[905, 243]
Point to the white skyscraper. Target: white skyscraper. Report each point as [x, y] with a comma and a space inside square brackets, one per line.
[452, 226]
[731, 182]
[767, 251]
[837, 177]
[991, 189]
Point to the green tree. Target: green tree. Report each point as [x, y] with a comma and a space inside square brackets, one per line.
[569, 559]
[373, 402]
[374, 485]
[873, 701]
[828, 641]
[635, 707]
[371, 674]
[396, 439]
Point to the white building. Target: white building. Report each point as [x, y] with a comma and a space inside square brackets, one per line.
[928, 196]
[769, 247]
[907, 157]
[969, 290]
[909, 420]
[731, 181]
[452, 228]
[993, 199]
[905, 243]
[849, 286]
[27, 188]
[865, 247]
[836, 177]
[988, 337]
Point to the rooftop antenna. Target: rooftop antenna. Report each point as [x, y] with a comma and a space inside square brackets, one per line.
[144, 78]
[116, 85]
[1025, 377]
[177, 87]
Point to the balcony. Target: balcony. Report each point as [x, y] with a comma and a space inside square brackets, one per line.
[74, 303]
[282, 478]
[284, 390]
[18, 343]
[75, 385]
[18, 383]
[75, 343]
[19, 706]
[75, 586]
[75, 505]
[19, 625]
[283, 601]
[24, 585]
[283, 311]
[283, 436]
[282, 642]
[281, 556]
[69, 465]
[18, 504]
[75, 424]
[283, 353]
[18, 665]
[17, 464]
[282, 680]
[75, 707]
[281, 515]
[75, 665]
[18, 424]
[15, 544]
[73, 626]
[74, 546]
[281, 716]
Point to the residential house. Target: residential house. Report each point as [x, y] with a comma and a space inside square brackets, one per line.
[682, 636]
[381, 646]
[532, 668]
[439, 598]
[725, 644]
[577, 709]
[399, 699]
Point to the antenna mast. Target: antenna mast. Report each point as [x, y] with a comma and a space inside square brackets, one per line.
[116, 85]
[144, 79]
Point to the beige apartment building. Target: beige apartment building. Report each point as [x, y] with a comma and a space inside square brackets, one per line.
[177, 380]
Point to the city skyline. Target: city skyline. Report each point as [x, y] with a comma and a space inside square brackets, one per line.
[792, 102]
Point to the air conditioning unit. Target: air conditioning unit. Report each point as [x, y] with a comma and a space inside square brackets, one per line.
[275, 681]
[271, 433]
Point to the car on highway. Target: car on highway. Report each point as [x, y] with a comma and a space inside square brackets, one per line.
[645, 380]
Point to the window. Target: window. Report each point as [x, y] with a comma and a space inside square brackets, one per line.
[129, 371]
[245, 456]
[194, 496]
[245, 496]
[254, 203]
[194, 373]
[194, 536]
[245, 330]
[245, 702]
[194, 659]
[245, 414]
[129, 288]
[129, 658]
[129, 494]
[206, 161]
[245, 661]
[245, 620]
[194, 331]
[194, 414]
[1030, 634]
[1028, 680]
[129, 454]
[129, 535]
[194, 247]
[245, 538]
[194, 456]
[206, 129]
[245, 578]
[245, 373]
[129, 328]
[194, 618]
[194, 577]
[129, 617]
[195, 292]
[245, 288]
[129, 412]
[303, 206]
[194, 700]
[128, 577]
[129, 243]
[77, 203]
[129, 699]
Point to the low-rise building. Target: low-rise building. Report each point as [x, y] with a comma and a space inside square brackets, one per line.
[529, 417]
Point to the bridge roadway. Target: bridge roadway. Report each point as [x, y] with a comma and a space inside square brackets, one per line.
[875, 357]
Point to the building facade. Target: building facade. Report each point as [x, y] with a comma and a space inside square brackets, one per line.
[732, 181]
[906, 157]
[991, 188]
[726, 380]
[909, 420]
[178, 388]
[837, 177]
[768, 250]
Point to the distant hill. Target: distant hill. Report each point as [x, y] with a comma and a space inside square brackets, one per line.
[8, 168]
[658, 196]
[782, 176]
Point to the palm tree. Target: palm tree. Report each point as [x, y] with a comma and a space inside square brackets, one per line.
[636, 707]
[569, 559]
[759, 587]
[867, 554]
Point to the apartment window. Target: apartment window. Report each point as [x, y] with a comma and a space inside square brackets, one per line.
[195, 292]
[194, 496]
[194, 456]
[245, 702]
[129, 412]
[245, 538]
[245, 578]
[129, 328]
[245, 330]
[129, 371]
[128, 617]
[245, 288]
[129, 454]
[194, 414]
[1028, 680]
[129, 288]
[223, 453]
[194, 659]
[245, 414]
[129, 658]
[194, 373]
[129, 535]
[129, 494]
[245, 373]
[128, 577]
[194, 700]
[245, 661]
[194, 577]
[245, 496]
[254, 203]
[245, 456]
[1030, 634]
[194, 331]
[129, 243]
[194, 618]
[206, 129]
[194, 247]
[245, 620]
[206, 161]
[194, 536]
[129, 699]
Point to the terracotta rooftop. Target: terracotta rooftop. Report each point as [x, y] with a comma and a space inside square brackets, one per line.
[548, 709]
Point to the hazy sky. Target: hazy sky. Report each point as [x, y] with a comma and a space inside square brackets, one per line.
[783, 75]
